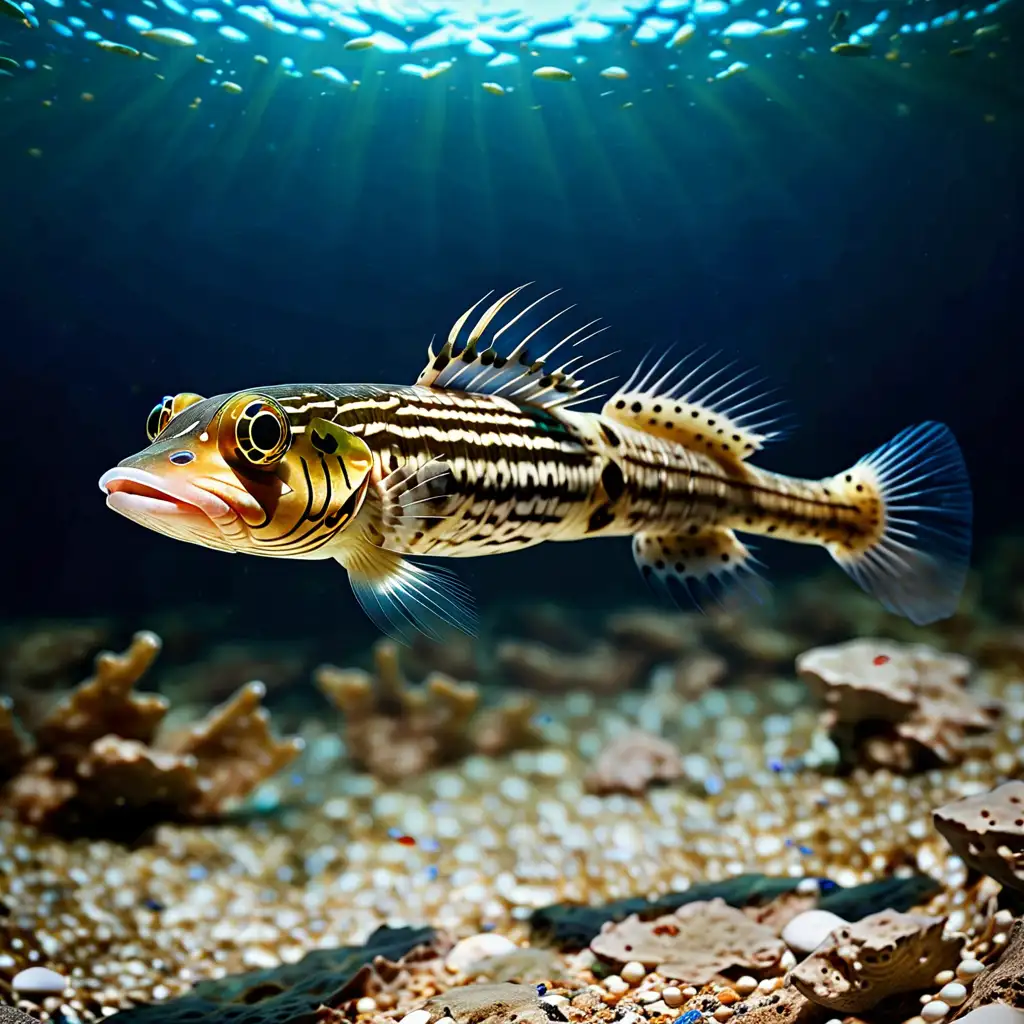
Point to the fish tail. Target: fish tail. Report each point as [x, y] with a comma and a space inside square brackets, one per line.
[913, 550]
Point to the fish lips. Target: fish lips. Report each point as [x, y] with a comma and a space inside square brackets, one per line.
[137, 492]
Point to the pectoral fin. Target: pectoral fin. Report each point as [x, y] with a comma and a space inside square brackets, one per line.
[402, 597]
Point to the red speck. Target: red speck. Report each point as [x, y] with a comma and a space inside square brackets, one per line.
[406, 840]
[881, 659]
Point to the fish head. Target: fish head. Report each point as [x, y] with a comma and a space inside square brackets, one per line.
[236, 474]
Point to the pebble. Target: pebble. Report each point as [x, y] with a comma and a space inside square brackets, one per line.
[953, 994]
[807, 931]
[634, 972]
[366, 1005]
[723, 1013]
[39, 981]
[944, 977]
[416, 1017]
[934, 1011]
[469, 951]
[968, 970]
[745, 985]
[673, 996]
[616, 985]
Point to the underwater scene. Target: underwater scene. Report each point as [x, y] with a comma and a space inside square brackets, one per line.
[723, 296]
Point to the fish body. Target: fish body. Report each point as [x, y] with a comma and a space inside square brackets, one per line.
[487, 454]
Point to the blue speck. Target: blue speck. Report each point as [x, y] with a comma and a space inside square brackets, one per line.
[394, 833]
[542, 989]
[827, 885]
[197, 873]
[431, 872]
[713, 785]
[690, 1017]
[151, 904]
[776, 766]
[297, 780]
[806, 850]
[430, 845]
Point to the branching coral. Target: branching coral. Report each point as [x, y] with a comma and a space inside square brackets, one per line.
[395, 730]
[97, 762]
[904, 707]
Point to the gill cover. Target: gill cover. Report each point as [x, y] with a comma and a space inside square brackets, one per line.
[308, 480]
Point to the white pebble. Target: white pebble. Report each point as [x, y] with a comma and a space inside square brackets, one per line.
[634, 972]
[614, 984]
[39, 981]
[968, 970]
[416, 1017]
[673, 996]
[807, 931]
[745, 985]
[723, 1013]
[934, 1011]
[366, 1005]
[953, 994]
[469, 951]
[943, 978]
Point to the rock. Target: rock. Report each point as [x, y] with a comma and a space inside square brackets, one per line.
[993, 1013]
[807, 931]
[489, 1004]
[903, 707]
[987, 832]
[695, 944]
[1003, 982]
[475, 948]
[887, 954]
[39, 981]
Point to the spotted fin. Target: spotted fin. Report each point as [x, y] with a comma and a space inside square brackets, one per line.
[699, 410]
[701, 565]
[479, 368]
[414, 499]
[403, 598]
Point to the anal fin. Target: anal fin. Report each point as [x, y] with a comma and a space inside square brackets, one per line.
[403, 598]
[699, 565]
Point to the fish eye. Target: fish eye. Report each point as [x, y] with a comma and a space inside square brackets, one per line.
[182, 458]
[262, 432]
[158, 418]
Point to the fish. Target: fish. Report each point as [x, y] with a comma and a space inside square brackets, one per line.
[488, 453]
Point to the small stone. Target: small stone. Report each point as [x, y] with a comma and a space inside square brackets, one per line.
[673, 996]
[416, 1017]
[746, 985]
[558, 1001]
[944, 977]
[366, 1005]
[616, 985]
[475, 948]
[634, 972]
[39, 981]
[968, 970]
[953, 993]
[807, 931]
[936, 1010]
[723, 1013]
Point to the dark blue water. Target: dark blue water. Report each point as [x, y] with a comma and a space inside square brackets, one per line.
[854, 232]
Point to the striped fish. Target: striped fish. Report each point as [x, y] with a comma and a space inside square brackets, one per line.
[488, 453]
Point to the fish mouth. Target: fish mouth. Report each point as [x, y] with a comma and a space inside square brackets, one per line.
[138, 493]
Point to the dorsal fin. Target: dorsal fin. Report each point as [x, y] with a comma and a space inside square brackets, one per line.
[484, 371]
[700, 410]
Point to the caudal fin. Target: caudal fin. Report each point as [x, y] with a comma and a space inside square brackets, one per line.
[917, 493]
